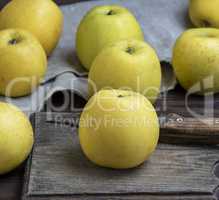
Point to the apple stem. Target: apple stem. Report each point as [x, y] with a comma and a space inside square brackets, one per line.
[110, 12]
[206, 23]
[13, 41]
[130, 50]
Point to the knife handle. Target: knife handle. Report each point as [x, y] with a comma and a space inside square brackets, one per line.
[178, 129]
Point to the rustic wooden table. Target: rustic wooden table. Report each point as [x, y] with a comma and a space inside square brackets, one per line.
[11, 184]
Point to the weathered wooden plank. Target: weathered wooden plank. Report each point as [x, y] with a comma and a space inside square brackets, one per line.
[124, 197]
[59, 170]
[176, 102]
[11, 184]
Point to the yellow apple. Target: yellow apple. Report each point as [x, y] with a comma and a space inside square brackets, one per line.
[16, 139]
[43, 18]
[118, 129]
[101, 26]
[204, 13]
[128, 64]
[23, 62]
[196, 60]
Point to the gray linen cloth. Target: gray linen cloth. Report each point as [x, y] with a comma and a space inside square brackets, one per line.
[161, 20]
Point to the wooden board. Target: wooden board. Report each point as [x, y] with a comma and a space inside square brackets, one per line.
[58, 170]
[11, 184]
[188, 119]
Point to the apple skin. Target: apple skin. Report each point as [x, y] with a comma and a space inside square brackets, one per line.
[21, 56]
[115, 67]
[195, 58]
[122, 145]
[43, 18]
[204, 13]
[101, 26]
[16, 139]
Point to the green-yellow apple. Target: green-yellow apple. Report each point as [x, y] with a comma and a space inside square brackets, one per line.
[204, 13]
[43, 18]
[118, 129]
[23, 62]
[101, 26]
[196, 60]
[128, 64]
[16, 139]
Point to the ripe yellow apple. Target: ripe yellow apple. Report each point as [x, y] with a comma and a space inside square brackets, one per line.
[43, 18]
[128, 64]
[16, 139]
[118, 129]
[23, 62]
[101, 26]
[196, 60]
[204, 13]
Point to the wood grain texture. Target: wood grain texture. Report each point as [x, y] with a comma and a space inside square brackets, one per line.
[11, 184]
[125, 197]
[178, 129]
[58, 170]
[192, 119]
[177, 102]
